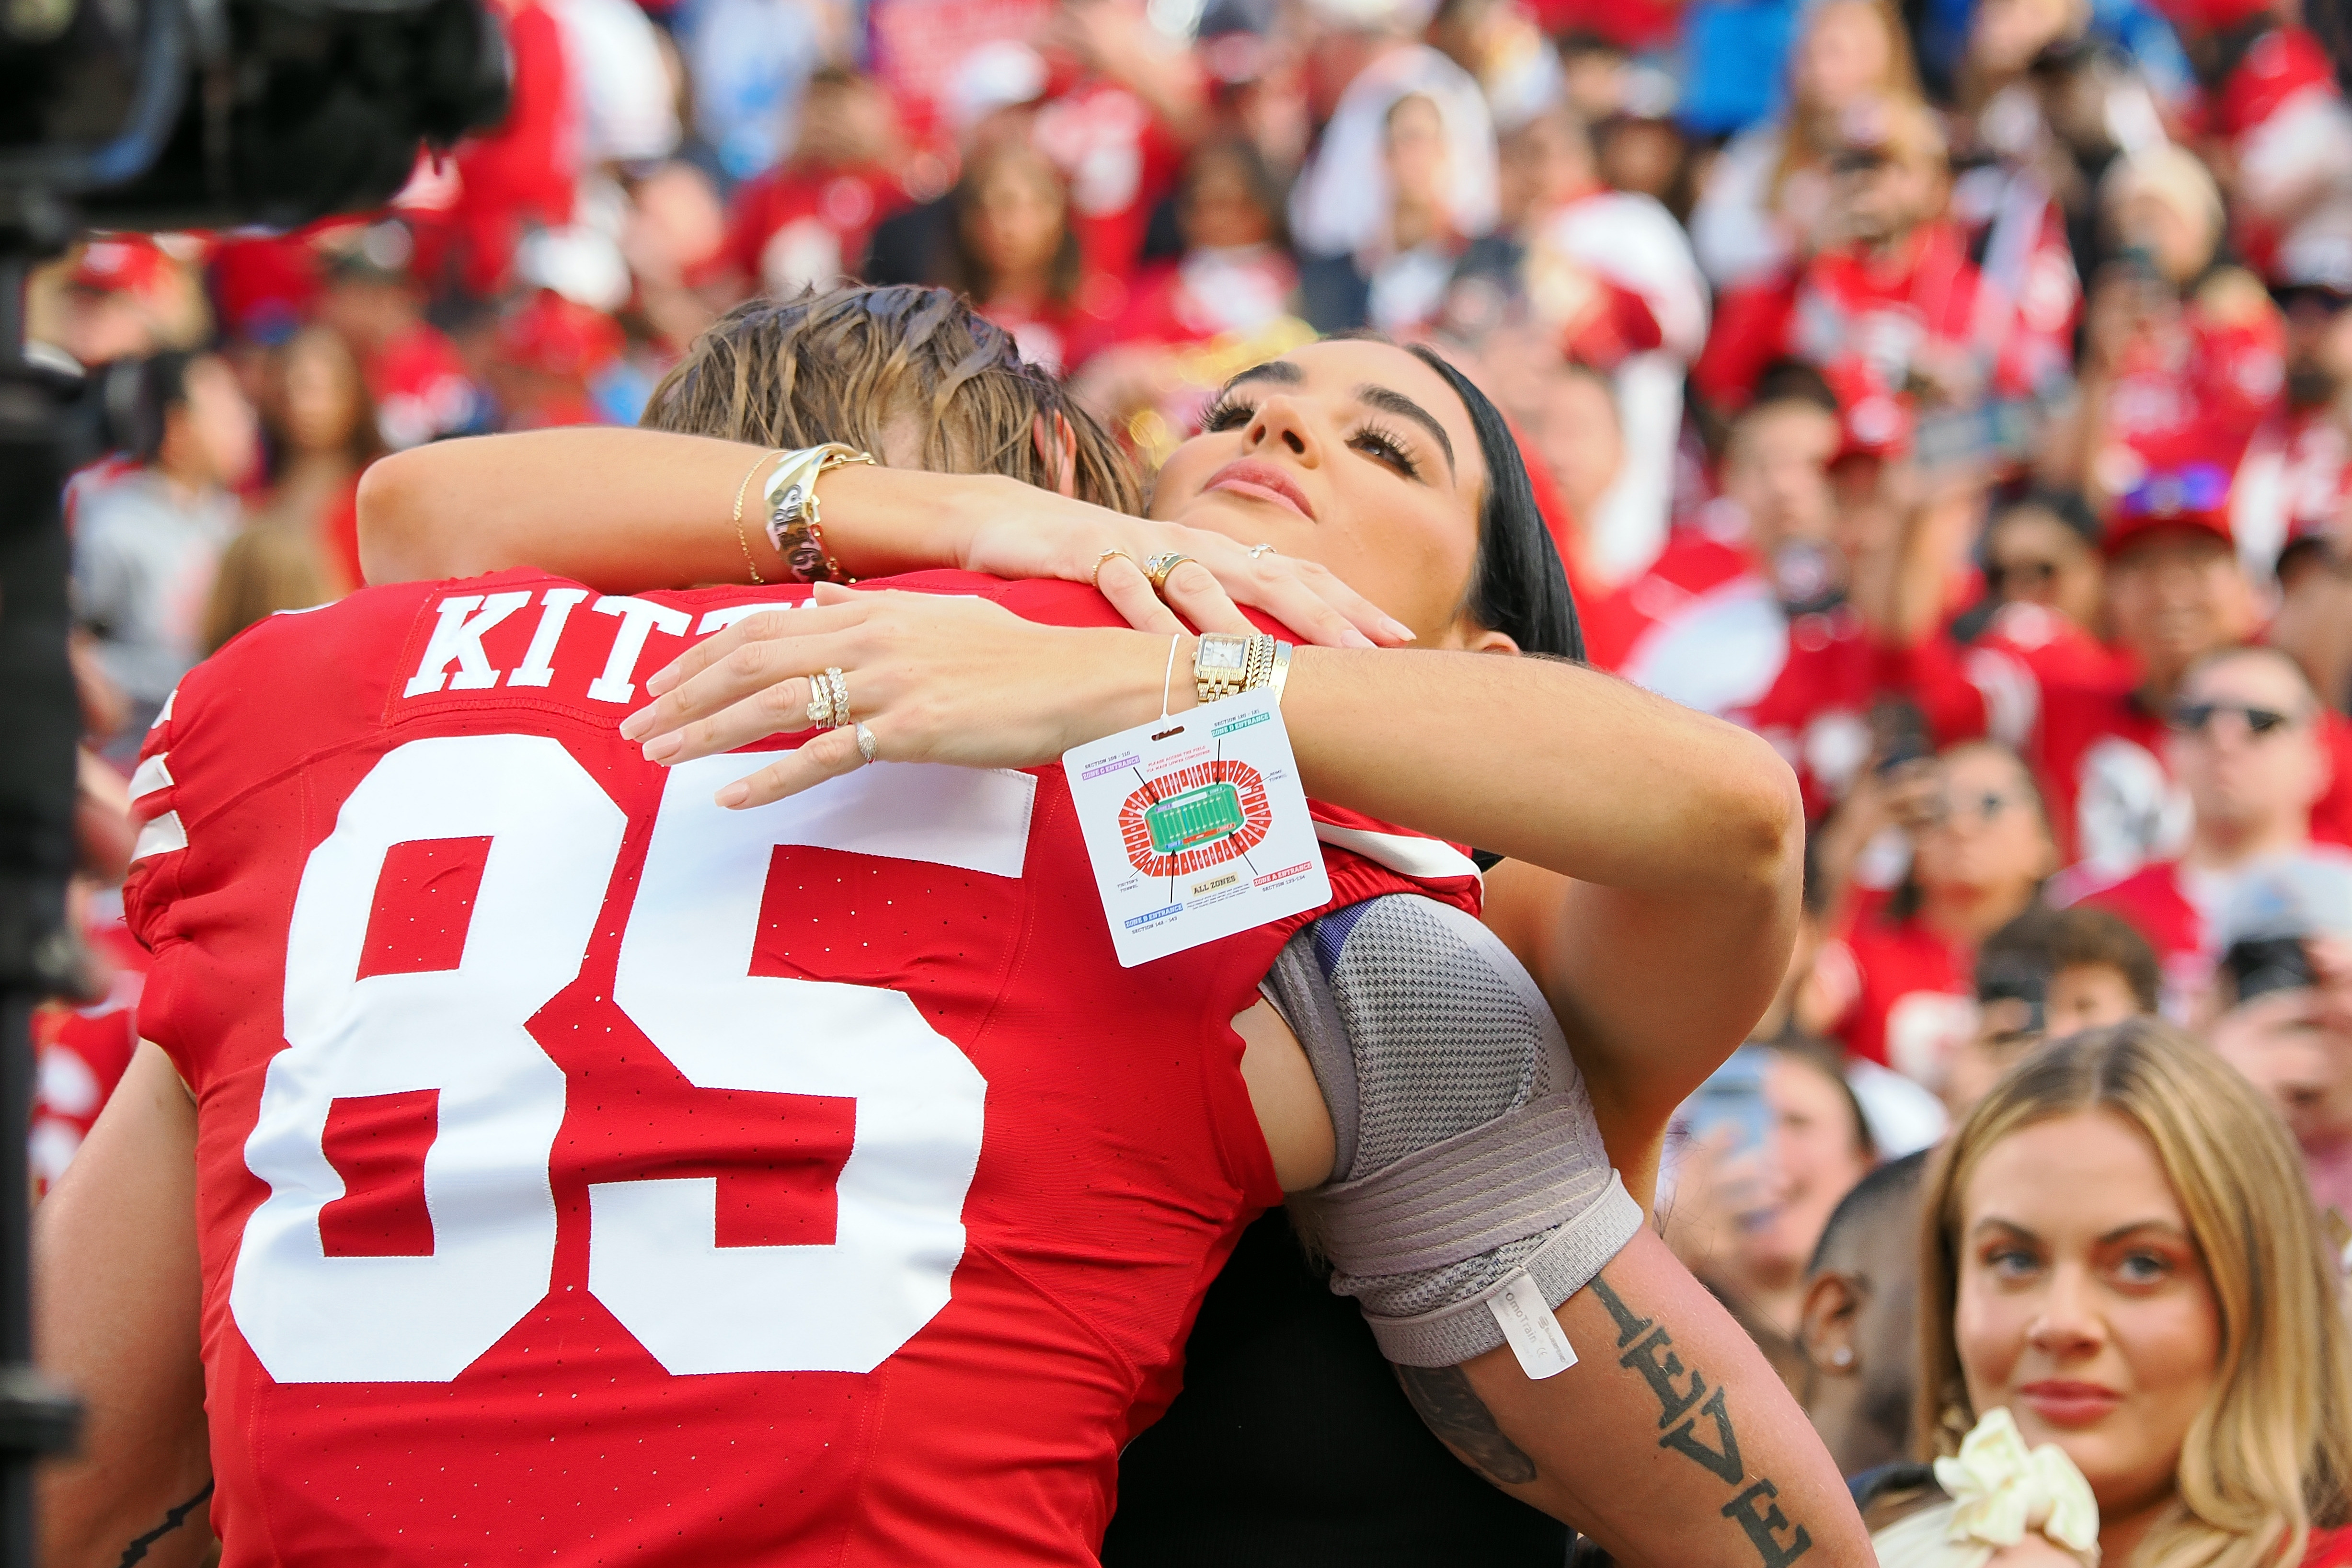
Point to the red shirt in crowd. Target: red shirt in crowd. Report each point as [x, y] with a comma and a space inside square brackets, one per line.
[1853, 312]
[79, 1052]
[2198, 385]
[1705, 627]
[1909, 994]
[794, 227]
[524, 173]
[1119, 161]
[533, 1179]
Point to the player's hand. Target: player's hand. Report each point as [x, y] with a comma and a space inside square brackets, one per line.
[933, 679]
[1046, 536]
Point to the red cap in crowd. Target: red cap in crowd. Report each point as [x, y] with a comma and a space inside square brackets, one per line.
[2192, 495]
[122, 264]
[556, 337]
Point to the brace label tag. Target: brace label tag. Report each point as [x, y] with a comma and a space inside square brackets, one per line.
[1535, 1335]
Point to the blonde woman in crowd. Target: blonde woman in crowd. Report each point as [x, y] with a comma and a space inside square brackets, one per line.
[1765, 193]
[2133, 1352]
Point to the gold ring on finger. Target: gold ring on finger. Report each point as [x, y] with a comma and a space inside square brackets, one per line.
[1158, 568]
[840, 684]
[1104, 560]
[819, 708]
[865, 742]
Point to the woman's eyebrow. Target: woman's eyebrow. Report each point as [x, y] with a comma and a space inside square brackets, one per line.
[1404, 407]
[1281, 371]
[2164, 1225]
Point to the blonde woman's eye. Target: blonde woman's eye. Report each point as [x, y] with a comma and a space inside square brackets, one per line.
[2011, 1262]
[2143, 1267]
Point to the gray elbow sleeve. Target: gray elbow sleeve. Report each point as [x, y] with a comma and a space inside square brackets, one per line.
[1466, 1155]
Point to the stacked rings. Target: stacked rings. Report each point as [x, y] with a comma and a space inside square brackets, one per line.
[1158, 568]
[829, 699]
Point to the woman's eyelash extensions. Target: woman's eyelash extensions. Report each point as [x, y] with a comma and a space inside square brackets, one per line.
[1377, 441]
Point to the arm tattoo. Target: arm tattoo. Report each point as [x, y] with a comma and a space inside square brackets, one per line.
[173, 1519]
[1645, 1346]
[1452, 1410]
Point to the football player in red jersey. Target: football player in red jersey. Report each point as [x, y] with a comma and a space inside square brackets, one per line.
[887, 1496]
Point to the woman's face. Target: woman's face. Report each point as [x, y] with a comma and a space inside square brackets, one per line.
[322, 398]
[1417, 153]
[1846, 57]
[1015, 221]
[1815, 1154]
[1221, 210]
[1985, 834]
[1354, 454]
[2083, 1306]
[2038, 559]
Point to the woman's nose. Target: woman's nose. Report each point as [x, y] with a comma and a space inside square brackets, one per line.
[2066, 1324]
[1282, 424]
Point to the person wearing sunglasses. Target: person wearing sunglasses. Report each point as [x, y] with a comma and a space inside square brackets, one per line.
[2246, 744]
[1904, 968]
[2174, 592]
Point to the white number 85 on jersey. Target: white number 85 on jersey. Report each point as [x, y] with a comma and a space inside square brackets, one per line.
[555, 836]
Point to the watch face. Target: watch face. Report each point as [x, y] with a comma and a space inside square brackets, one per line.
[1221, 655]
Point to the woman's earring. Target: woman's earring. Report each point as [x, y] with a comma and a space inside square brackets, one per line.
[1842, 1356]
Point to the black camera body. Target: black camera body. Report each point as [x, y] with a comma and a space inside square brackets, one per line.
[143, 114]
[149, 114]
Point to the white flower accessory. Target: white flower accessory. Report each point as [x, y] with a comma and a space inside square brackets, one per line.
[2001, 1489]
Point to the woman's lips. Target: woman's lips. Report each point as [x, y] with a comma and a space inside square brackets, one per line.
[2070, 1404]
[1262, 482]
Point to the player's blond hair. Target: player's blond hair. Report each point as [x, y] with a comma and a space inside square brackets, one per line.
[2269, 1455]
[851, 363]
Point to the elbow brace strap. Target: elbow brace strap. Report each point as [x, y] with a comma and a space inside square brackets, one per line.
[1467, 1156]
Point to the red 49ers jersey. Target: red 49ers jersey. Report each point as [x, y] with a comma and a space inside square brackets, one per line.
[589, 1173]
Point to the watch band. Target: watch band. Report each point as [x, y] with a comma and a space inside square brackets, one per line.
[1220, 663]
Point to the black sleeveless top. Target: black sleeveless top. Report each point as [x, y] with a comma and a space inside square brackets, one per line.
[1292, 1445]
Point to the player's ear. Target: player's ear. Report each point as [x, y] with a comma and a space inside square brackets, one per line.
[1057, 449]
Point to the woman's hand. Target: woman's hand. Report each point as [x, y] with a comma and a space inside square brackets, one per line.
[1025, 532]
[933, 679]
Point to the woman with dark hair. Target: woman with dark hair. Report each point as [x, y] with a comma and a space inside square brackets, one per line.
[1385, 466]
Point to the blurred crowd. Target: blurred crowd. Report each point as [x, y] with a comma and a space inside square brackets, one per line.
[1957, 393]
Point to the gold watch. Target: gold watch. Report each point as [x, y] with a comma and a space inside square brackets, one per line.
[1220, 663]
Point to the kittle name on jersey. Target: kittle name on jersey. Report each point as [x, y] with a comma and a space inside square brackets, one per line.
[455, 659]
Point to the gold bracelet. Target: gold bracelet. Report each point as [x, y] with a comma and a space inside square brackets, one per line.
[1259, 665]
[742, 539]
[1280, 673]
[793, 528]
